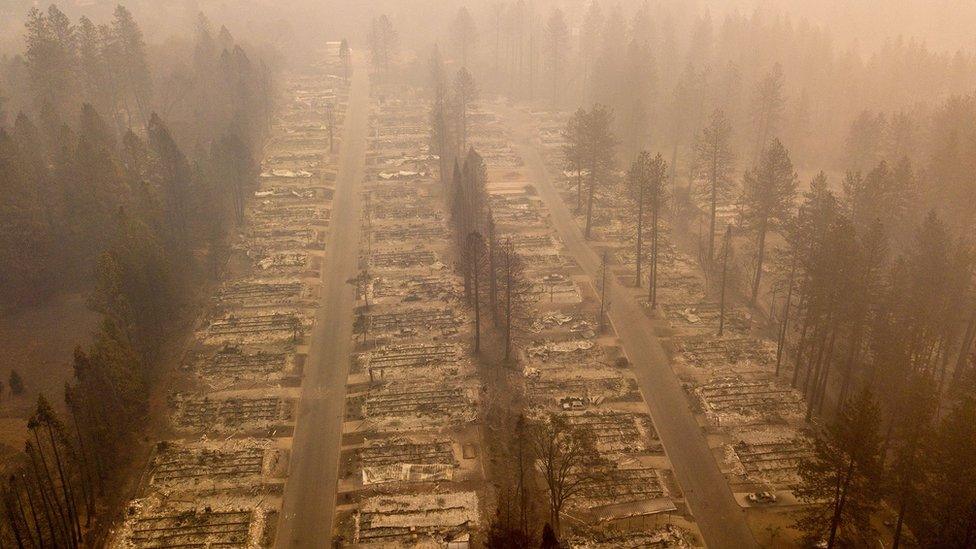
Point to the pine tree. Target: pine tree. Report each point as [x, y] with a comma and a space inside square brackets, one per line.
[842, 479]
[465, 94]
[590, 38]
[16, 383]
[557, 38]
[136, 285]
[865, 141]
[637, 78]
[886, 194]
[907, 472]
[767, 108]
[235, 170]
[686, 103]
[609, 63]
[50, 56]
[131, 66]
[475, 260]
[948, 517]
[598, 153]
[97, 82]
[383, 42]
[442, 133]
[345, 57]
[175, 182]
[646, 179]
[93, 188]
[573, 151]
[514, 289]
[715, 161]
[767, 199]
[465, 35]
[28, 239]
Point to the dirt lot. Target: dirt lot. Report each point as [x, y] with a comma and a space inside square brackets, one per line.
[774, 529]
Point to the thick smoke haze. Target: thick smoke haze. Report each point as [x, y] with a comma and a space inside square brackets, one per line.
[501, 274]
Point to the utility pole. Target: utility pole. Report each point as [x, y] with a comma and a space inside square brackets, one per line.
[652, 281]
[365, 278]
[604, 305]
[725, 270]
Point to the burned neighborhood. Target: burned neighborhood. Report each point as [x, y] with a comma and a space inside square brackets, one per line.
[503, 274]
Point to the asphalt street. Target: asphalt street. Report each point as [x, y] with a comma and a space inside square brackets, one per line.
[721, 520]
[310, 492]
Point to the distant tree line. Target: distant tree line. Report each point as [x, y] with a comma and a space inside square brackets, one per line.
[97, 194]
[497, 292]
[93, 147]
[878, 325]
[494, 274]
[867, 276]
[873, 303]
[664, 67]
[495, 285]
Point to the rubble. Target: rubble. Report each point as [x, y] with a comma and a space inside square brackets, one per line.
[218, 480]
[769, 457]
[416, 321]
[242, 414]
[409, 288]
[412, 392]
[403, 406]
[205, 465]
[264, 293]
[231, 365]
[406, 460]
[553, 288]
[404, 359]
[413, 518]
[404, 260]
[257, 327]
[703, 318]
[589, 387]
[618, 432]
[661, 538]
[619, 485]
[418, 230]
[736, 353]
[735, 400]
[157, 522]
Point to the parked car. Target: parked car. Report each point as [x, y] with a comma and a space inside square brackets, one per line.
[761, 497]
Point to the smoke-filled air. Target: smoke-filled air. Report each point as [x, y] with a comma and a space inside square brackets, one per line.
[488, 274]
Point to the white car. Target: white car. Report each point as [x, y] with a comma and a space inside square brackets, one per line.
[761, 497]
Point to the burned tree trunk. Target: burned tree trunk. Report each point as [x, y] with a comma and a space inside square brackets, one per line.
[725, 269]
[640, 236]
[51, 512]
[655, 208]
[781, 340]
[492, 273]
[475, 258]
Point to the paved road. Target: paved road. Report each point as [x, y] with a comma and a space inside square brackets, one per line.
[310, 493]
[720, 519]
